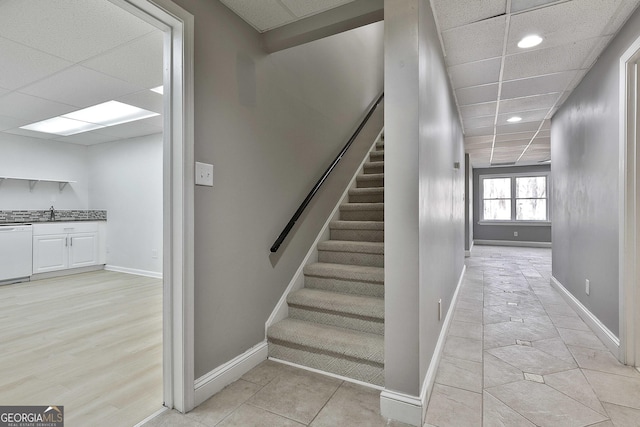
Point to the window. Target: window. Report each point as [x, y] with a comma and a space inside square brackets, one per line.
[514, 198]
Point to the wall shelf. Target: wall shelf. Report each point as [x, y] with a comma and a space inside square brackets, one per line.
[33, 181]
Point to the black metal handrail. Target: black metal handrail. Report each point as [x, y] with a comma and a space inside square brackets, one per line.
[314, 190]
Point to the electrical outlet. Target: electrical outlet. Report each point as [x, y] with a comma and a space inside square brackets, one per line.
[587, 286]
[154, 253]
[515, 234]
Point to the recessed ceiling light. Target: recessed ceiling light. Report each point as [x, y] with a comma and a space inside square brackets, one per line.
[530, 41]
[514, 119]
[61, 126]
[159, 89]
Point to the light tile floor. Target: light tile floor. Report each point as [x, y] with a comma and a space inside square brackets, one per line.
[516, 355]
[274, 395]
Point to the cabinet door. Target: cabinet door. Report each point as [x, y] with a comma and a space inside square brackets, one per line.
[83, 249]
[50, 253]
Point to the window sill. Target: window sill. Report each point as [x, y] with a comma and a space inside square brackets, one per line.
[518, 223]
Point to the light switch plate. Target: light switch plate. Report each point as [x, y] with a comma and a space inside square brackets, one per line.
[204, 174]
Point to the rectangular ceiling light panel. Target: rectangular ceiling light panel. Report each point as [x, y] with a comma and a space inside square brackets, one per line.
[109, 113]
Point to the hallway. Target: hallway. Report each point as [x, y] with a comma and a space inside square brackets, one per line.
[526, 358]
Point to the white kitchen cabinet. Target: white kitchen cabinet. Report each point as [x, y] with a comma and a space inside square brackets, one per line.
[61, 246]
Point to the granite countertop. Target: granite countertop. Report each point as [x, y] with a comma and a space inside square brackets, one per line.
[44, 216]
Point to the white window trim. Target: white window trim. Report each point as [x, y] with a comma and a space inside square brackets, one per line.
[513, 221]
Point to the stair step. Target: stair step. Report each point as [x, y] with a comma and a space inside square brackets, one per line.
[376, 156]
[357, 231]
[366, 195]
[380, 145]
[352, 354]
[370, 180]
[374, 167]
[346, 279]
[351, 253]
[357, 312]
[362, 212]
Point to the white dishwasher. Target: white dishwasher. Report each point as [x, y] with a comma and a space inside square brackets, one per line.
[16, 243]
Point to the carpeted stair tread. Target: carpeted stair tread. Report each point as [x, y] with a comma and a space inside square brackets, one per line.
[373, 167]
[359, 273]
[348, 246]
[337, 341]
[362, 207]
[375, 156]
[369, 176]
[367, 195]
[357, 225]
[380, 145]
[354, 305]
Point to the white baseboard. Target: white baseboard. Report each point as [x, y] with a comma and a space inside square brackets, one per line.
[152, 416]
[412, 409]
[214, 381]
[606, 336]
[401, 407]
[135, 271]
[518, 243]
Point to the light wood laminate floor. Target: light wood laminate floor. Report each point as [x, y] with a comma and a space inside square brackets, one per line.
[91, 342]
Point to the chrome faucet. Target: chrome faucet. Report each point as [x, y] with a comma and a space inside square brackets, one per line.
[52, 214]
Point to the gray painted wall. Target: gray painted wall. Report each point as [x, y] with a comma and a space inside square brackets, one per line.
[584, 149]
[468, 203]
[526, 233]
[424, 194]
[270, 124]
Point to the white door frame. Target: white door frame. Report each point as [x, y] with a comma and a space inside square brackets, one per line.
[178, 205]
[629, 268]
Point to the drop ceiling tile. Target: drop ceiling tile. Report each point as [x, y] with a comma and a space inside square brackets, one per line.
[138, 62]
[478, 122]
[455, 13]
[477, 94]
[303, 8]
[546, 125]
[81, 87]
[60, 27]
[623, 13]
[473, 42]
[479, 131]
[472, 140]
[550, 83]
[557, 23]
[519, 136]
[521, 145]
[528, 103]
[518, 127]
[145, 99]
[546, 61]
[11, 122]
[87, 138]
[542, 142]
[596, 52]
[478, 110]
[263, 15]
[475, 73]
[521, 5]
[31, 108]
[21, 65]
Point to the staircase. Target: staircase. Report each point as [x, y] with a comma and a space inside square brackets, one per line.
[336, 322]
